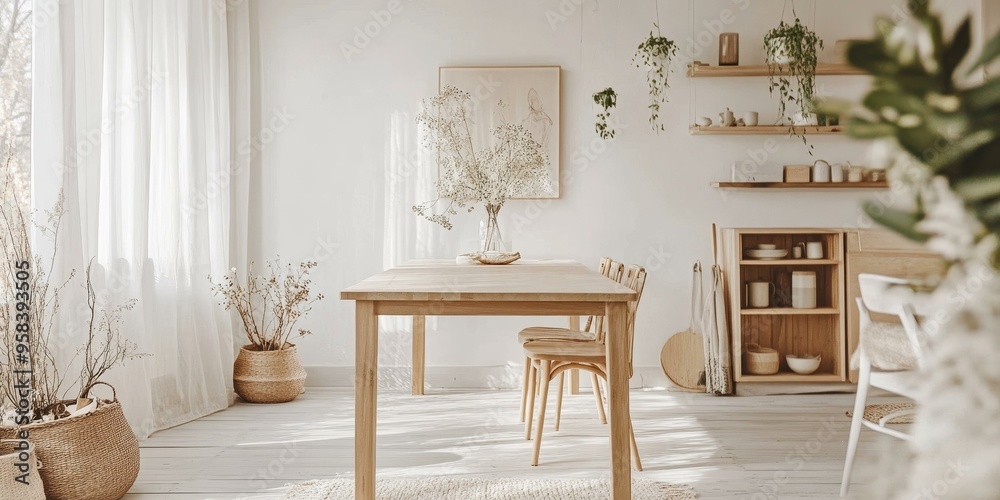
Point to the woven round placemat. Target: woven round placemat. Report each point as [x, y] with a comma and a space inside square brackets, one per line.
[875, 412]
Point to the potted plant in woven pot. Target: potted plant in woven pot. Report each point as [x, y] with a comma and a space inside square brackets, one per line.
[268, 369]
[85, 445]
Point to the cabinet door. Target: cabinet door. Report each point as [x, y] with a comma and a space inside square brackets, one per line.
[880, 251]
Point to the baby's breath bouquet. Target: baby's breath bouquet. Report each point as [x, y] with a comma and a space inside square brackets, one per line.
[269, 305]
[513, 166]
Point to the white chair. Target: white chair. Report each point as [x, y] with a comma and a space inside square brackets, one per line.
[889, 355]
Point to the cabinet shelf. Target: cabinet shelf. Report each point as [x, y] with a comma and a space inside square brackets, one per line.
[788, 311]
[789, 262]
[812, 186]
[706, 71]
[792, 377]
[767, 130]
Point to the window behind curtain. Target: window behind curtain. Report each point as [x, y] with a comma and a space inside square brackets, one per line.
[15, 87]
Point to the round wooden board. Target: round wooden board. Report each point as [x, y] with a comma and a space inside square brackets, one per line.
[683, 360]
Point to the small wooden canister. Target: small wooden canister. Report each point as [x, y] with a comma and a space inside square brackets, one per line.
[729, 49]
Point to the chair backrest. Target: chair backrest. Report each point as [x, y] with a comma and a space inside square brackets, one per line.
[611, 270]
[888, 295]
[895, 296]
[635, 279]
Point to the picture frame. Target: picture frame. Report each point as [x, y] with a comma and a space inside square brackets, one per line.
[531, 95]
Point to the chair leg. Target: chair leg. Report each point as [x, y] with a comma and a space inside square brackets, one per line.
[543, 398]
[635, 448]
[860, 400]
[524, 385]
[598, 398]
[559, 394]
[529, 410]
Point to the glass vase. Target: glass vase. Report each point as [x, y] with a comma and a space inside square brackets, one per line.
[490, 238]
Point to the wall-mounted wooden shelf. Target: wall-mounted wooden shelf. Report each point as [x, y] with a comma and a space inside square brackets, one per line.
[814, 186]
[766, 130]
[704, 71]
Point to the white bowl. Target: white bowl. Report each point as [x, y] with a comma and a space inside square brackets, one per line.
[767, 246]
[803, 364]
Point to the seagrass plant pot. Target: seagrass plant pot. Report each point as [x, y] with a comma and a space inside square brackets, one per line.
[94, 456]
[268, 376]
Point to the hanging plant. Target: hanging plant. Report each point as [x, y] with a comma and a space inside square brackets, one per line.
[791, 62]
[654, 54]
[606, 99]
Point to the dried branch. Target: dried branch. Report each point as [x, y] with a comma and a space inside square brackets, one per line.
[269, 306]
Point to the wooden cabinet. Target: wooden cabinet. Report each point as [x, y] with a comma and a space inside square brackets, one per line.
[831, 328]
[881, 251]
[819, 330]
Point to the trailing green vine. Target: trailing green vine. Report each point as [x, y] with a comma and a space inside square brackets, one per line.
[791, 54]
[654, 54]
[606, 99]
[791, 60]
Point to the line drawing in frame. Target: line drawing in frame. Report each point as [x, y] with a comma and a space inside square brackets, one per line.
[531, 97]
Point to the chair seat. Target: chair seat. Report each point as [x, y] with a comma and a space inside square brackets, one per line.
[558, 350]
[552, 333]
[887, 347]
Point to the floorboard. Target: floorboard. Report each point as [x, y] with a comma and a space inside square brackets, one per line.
[760, 447]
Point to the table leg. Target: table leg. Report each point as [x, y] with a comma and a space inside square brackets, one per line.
[574, 375]
[365, 403]
[417, 376]
[617, 359]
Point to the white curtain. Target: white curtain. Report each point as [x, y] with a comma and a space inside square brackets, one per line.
[132, 122]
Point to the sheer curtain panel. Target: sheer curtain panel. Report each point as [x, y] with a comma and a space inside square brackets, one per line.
[133, 125]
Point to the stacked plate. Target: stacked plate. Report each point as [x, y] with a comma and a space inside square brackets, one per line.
[767, 252]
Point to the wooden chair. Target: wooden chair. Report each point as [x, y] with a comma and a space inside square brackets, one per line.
[607, 267]
[898, 348]
[553, 357]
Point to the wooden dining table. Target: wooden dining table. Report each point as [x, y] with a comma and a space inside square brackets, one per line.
[523, 288]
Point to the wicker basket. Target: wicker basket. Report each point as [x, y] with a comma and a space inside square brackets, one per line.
[268, 376]
[13, 464]
[761, 360]
[94, 456]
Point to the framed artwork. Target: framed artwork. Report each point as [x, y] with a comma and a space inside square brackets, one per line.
[531, 98]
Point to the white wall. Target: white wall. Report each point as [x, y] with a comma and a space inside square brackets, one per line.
[642, 198]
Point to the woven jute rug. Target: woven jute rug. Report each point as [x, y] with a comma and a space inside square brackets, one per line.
[445, 488]
[874, 413]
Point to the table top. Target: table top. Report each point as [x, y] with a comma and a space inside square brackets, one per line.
[524, 280]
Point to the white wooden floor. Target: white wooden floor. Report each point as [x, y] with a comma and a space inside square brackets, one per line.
[761, 447]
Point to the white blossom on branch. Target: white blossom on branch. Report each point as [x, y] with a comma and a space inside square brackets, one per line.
[513, 166]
